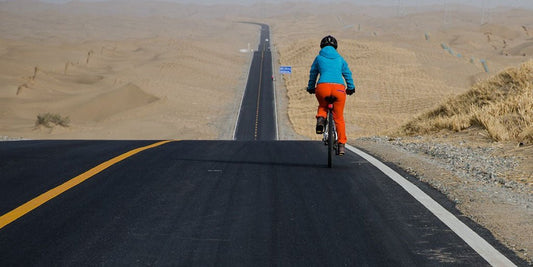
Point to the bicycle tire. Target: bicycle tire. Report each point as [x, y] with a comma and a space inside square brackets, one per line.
[331, 139]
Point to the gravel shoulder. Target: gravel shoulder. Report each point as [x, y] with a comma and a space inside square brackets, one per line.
[491, 183]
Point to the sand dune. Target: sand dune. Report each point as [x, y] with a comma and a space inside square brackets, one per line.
[523, 49]
[120, 76]
[110, 103]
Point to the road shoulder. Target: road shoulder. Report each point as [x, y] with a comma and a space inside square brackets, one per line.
[463, 173]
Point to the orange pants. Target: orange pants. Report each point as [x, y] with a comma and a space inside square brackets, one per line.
[337, 90]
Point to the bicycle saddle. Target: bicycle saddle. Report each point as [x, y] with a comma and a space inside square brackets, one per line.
[331, 99]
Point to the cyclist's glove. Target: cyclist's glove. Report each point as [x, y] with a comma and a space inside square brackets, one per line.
[311, 90]
[350, 91]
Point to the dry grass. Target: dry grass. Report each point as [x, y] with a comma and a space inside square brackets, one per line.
[49, 120]
[502, 105]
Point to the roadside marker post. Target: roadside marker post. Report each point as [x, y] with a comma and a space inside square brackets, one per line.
[485, 66]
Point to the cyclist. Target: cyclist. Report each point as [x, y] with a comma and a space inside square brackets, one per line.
[334, 73]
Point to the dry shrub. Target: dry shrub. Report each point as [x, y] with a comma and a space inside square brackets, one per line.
[502, 105]
[50, 120]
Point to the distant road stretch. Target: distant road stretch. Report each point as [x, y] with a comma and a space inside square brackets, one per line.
[257, 117]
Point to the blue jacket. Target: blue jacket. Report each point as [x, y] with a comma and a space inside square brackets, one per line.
[332, 69]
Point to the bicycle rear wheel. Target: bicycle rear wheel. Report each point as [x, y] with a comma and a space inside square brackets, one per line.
[331, 138]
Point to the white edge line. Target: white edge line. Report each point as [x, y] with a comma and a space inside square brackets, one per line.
[476, 242]
[273, 83]
[242, 96]
[250, 59]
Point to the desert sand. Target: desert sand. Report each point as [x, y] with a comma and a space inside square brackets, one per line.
[120, 76]
[174, 71]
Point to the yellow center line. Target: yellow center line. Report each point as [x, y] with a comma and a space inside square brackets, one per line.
[54, 192]
[259, 94]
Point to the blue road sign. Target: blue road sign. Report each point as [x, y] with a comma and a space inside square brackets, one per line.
[285, 69]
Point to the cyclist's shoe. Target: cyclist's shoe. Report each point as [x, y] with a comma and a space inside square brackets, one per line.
[320, 124]
[341, 149]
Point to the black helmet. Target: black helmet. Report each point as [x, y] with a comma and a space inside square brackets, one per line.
[328, 40]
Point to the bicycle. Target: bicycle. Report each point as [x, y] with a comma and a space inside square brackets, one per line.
[330, 132]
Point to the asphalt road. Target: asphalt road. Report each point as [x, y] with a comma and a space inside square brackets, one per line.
[204, 203]
[254, 202]
[257, 117]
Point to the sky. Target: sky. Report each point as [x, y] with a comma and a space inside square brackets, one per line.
[396, 3]
[485, 3]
